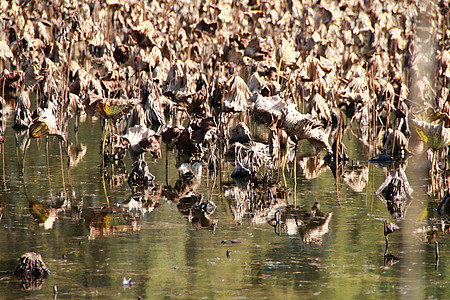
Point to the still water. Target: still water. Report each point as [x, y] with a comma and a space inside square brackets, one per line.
[90, 251]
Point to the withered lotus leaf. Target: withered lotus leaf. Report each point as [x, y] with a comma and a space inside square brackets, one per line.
[108, 108]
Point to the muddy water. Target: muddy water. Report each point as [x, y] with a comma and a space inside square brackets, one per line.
[165, 255]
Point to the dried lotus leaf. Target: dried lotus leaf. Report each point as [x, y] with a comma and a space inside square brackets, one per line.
[108, 108]
[436, 136]
[236, 95]
[5, 51]
[144, 34]
[286, 52]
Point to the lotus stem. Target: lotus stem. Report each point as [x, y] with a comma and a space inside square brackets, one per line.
[103, 162]
[295, 180]
[48, 169]
[104, 187]
[3, 166]
[436, 253]
[393, 145]
[104, 142]
[62, 167]
[167, 166]
[283, 165]
[433, 161]
[279, 70]
[387, 245]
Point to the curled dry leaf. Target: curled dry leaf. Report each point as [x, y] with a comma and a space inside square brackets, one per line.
[236, 95]
[286, 52]
[304, 126]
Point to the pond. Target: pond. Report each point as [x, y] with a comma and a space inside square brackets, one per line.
[166, 254]
[227, 199]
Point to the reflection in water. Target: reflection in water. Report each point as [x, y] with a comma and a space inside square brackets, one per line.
[312, 166]
[124, 217]
[44, 214]
[356, 177]
[22, 137]
[197, 210]
[311, 226]
[389, 228]
[395, 192]
[105, 221]
[255, 202]
[390, 260]
[140, 176]
[76, 153]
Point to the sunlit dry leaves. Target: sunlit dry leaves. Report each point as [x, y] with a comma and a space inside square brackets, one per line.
[249, 158]
[319, 109]
[267, 110]
[357, 90]
[180, 82]
[256, 84]
[313, 68]
[153, 58]
[225, 13]
[396, 144]
[397, 39]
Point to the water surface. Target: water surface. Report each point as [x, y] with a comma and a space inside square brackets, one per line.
[167, 256]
